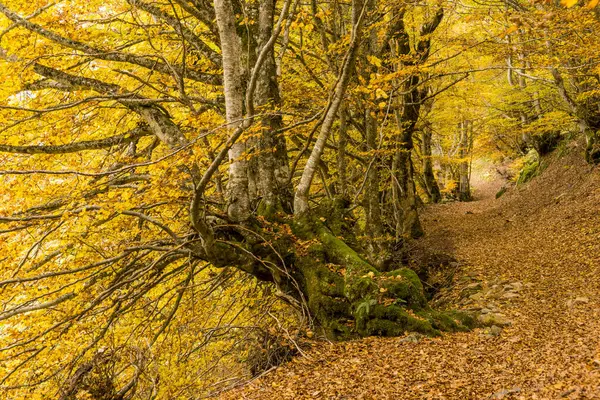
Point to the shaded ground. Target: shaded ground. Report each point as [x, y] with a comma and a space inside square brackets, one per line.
[545, 235]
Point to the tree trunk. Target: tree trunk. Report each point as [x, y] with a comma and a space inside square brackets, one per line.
[464, 187]
[313, 263]
[301, 194]
[342, 166]
[404, 169]
[273, 187]
[431, 184]
[372, 206]
[234, 81]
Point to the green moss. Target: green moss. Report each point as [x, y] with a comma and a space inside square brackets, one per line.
[358, 284]
[383, 327]
[501, 192]
[528, 172]
[404, 284]
[385, 304]
[449, 321]
[334, 212]
[533, 167]
[467, 320]
[324, 290]
[442, 321]
[409, 276]
[268, 209]
[359, 288]
[394, 320]
[339, 252]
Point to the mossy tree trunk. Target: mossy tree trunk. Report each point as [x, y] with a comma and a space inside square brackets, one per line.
[587, 116]
[346, 295]
[350, 297]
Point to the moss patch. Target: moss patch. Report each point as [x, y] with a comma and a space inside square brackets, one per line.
[342, 288]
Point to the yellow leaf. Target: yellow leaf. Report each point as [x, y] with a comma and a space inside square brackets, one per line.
[380, 93]
[568, 3]
[510, 30]
[374, 60]
[592, 4]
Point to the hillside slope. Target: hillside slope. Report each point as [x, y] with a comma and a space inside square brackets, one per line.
[542, 242]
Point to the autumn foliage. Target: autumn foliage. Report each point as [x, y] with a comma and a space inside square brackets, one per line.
[191, 188]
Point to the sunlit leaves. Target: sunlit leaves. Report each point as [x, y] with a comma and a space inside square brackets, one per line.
[568, 3]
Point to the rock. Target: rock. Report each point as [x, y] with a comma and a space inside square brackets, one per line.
[577, 300]
[485, 311]
[505, 392]
[412, 338]
[510, 295]
[476, 296]
[494, 319]
[495, 330]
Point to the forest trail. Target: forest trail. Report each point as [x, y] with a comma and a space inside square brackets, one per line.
[545, 236]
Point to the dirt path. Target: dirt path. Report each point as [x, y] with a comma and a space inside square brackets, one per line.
[545, 237]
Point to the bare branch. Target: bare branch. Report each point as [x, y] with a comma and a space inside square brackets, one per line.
[156, 117]
[185, 32]
[124, 138]
[36, 307]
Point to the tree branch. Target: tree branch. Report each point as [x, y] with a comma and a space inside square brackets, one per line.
[142, 61]
[155, 116]
[186, 33]
[124, 138]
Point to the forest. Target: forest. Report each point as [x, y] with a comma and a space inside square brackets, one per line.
[319, 199]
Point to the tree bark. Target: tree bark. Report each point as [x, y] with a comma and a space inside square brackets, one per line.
[464, 187]
[404, 169]
[234, 82]
[431, 184]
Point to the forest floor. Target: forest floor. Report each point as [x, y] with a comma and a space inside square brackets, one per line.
[541, 243]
